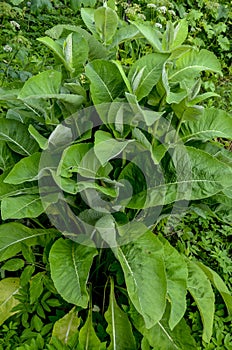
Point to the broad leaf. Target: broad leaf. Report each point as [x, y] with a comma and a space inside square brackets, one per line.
[161, 337]
[55, 47]
[66, 327]
[6, 156]
[76, 52]
[88, 339]
[45, 84]
[198, 175]
[13, 235]
[151, 34]
[218, 283]
[106, 22]
[106, 147]
[8, 288]
[17, 137]
[106, 81]
[7, 190]
[87, 15]
[68, 272]
[212, 124]
[190, 64]
[202, 292]
[119, 327]
[143, 266]
[146, 72]
[25, 170]
[177, 273]
[18, 207]
[71, 159]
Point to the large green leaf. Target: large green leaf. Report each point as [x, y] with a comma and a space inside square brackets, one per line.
[96, 49]
[106, 81]
[8, 288]
[75, 52]
[25, 170]
[151, 34]
[143, 266]
[88, 339]
[66, 327]
[199, 175]
[161, 337]
[212, 123]
[13, 235]
[119, 327]
[191, 63]
[7, 190]
[146, 72]
[45, 84]
[106, 22]
[17, 137]
[218, 283]
[68, 271]
[71, 159]
[177, 273]
[106, 147]
[55, 47]
[202, 292]
[19, 207]
[6, 156]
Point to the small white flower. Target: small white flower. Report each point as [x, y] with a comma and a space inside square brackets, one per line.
[163, 9]
[173, 13]
[7, 48]
[158, 25]
[15, 24]
[151, 6]
[141, 16]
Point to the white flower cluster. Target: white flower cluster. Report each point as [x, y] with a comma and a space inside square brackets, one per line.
[15, 24]
[7, 48]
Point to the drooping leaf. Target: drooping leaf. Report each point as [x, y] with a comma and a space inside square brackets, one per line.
[106, 22]
[7, 190]
[218, 283]
[177, 273]
[146, 72]
[106, 81]
[66, 327]
[161, 337]
[45, 84]
[151, 34]
[18, 207]
[143, 266]
[198, 175]
[213, 123]
[17, 137]
[8, 288]
[190, 64]
[200, 288]
[41, 140]
[25, 170]
[88, 339]
[68, 271]
[13, 235]
[119, 327]
[106, 147]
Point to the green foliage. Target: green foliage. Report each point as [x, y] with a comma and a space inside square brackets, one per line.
[99, 143]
